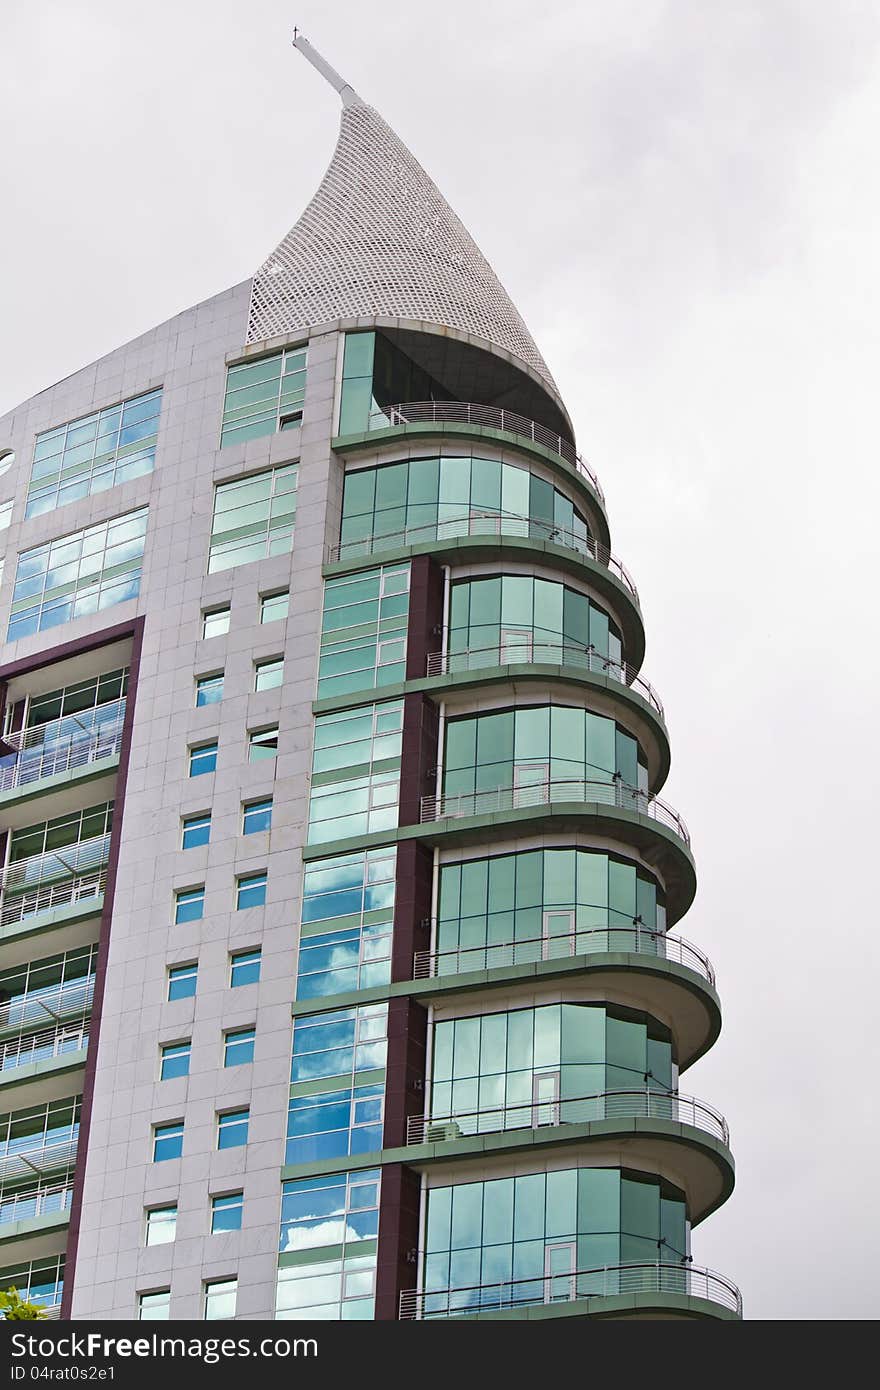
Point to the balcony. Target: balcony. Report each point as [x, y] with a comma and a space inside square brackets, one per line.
[499, 800]
[67, 1000]
[640, 1285]
[478, 522]
[635, 939]
[532, 653]
[70, 876]
[580, 1110]
[27, 1203]
[40, 1153]
[73, 743]
[485, 417]
[26, 1048]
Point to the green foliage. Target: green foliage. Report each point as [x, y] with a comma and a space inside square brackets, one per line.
[14, 1307]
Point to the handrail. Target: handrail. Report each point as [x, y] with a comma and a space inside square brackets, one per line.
[483, 522]
[67, 862]
[82, 888]
[68, 726]
[603, 1281]
[37, 761]
[501, 799]
[72, 997]
[559, 653]
[42, 1156]
[576, 1110]
[35, 1201]
[581, 941]
[26, 1048]
[471, 413]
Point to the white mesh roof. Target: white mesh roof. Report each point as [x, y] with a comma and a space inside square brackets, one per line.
[379, 238]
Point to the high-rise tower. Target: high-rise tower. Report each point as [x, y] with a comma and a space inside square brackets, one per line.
[335, 978]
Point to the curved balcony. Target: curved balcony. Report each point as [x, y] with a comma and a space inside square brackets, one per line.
[65, 745]
[500, 799]
[545, 653]
[480, 522]
[579, 1110]
[489, 417]
[636, 939]
[642, 1284]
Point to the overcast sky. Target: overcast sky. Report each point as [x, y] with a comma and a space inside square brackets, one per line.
[682, 199]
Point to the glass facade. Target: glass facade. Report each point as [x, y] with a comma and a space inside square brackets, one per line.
[523, 749]
[50, 850]
[81, 702]
[546, 1065]
[81, 573]
[420, 500]
[94, 453]
[376, 372]
[338, 1076]
[264, 396]
[329, 1228]
[42, 991]
[253, 517]
[363, 633]
[356, 771]
[347, 918]
[534, 1238]
[516, 618]
[54, 1125]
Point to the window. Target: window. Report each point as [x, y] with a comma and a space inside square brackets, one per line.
[268, 675]
[245, 968]
[253, 517]
[154, 1307]
[262, 743]
[238, 1047]
[6, 513]
[41, 991]
[77, 843]
[220, 1299]
[264, 396]
[356, 771]
[167, 1141]
[174, 1060]
[189, 905]
[363, 632]
[182, 981]
[78, 574]
[232, 1129]
[499, 619]
[196, 830]
[251, 890]
[347, 917]
[202, 758]
[226, 1212]
[209, 689]
[330, 1211]
[334, 1289]
[93, 453]
[215, 621]
[273, 607]
[161, 1225]
[257, 816]
[90, 704]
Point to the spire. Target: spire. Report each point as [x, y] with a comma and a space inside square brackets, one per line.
[379, 238]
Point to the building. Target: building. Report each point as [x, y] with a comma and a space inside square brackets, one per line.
[336, 980]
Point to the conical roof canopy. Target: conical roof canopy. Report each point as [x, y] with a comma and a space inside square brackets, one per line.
[379, 238]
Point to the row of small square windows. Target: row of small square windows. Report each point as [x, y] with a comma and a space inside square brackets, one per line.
[273, 607]
[219, 1296]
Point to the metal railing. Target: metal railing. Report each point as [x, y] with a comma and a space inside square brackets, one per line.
[26, 1048]
[501, 799]
[66, 862]
[637, 939]
[530, 652]
[470, 413]
[603, 1281]
[48, 1006]
[35, 1201]
[81, 888]
[482, 522]
[557, 1113]
[62, 746]
[43, 1156]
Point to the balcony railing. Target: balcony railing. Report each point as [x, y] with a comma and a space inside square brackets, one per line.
[26, 1048]
[530, 652]
[579, 941]
[62, 746]
[557, 1113]
[35, 1201]
[469, 413]
[44, 1154]
[480, 522]
[49, 1006]
[604, 1281]
[82, 888]
[79, 870]
[500, 799]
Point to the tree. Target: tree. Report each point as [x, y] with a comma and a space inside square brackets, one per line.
[14, 1307]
